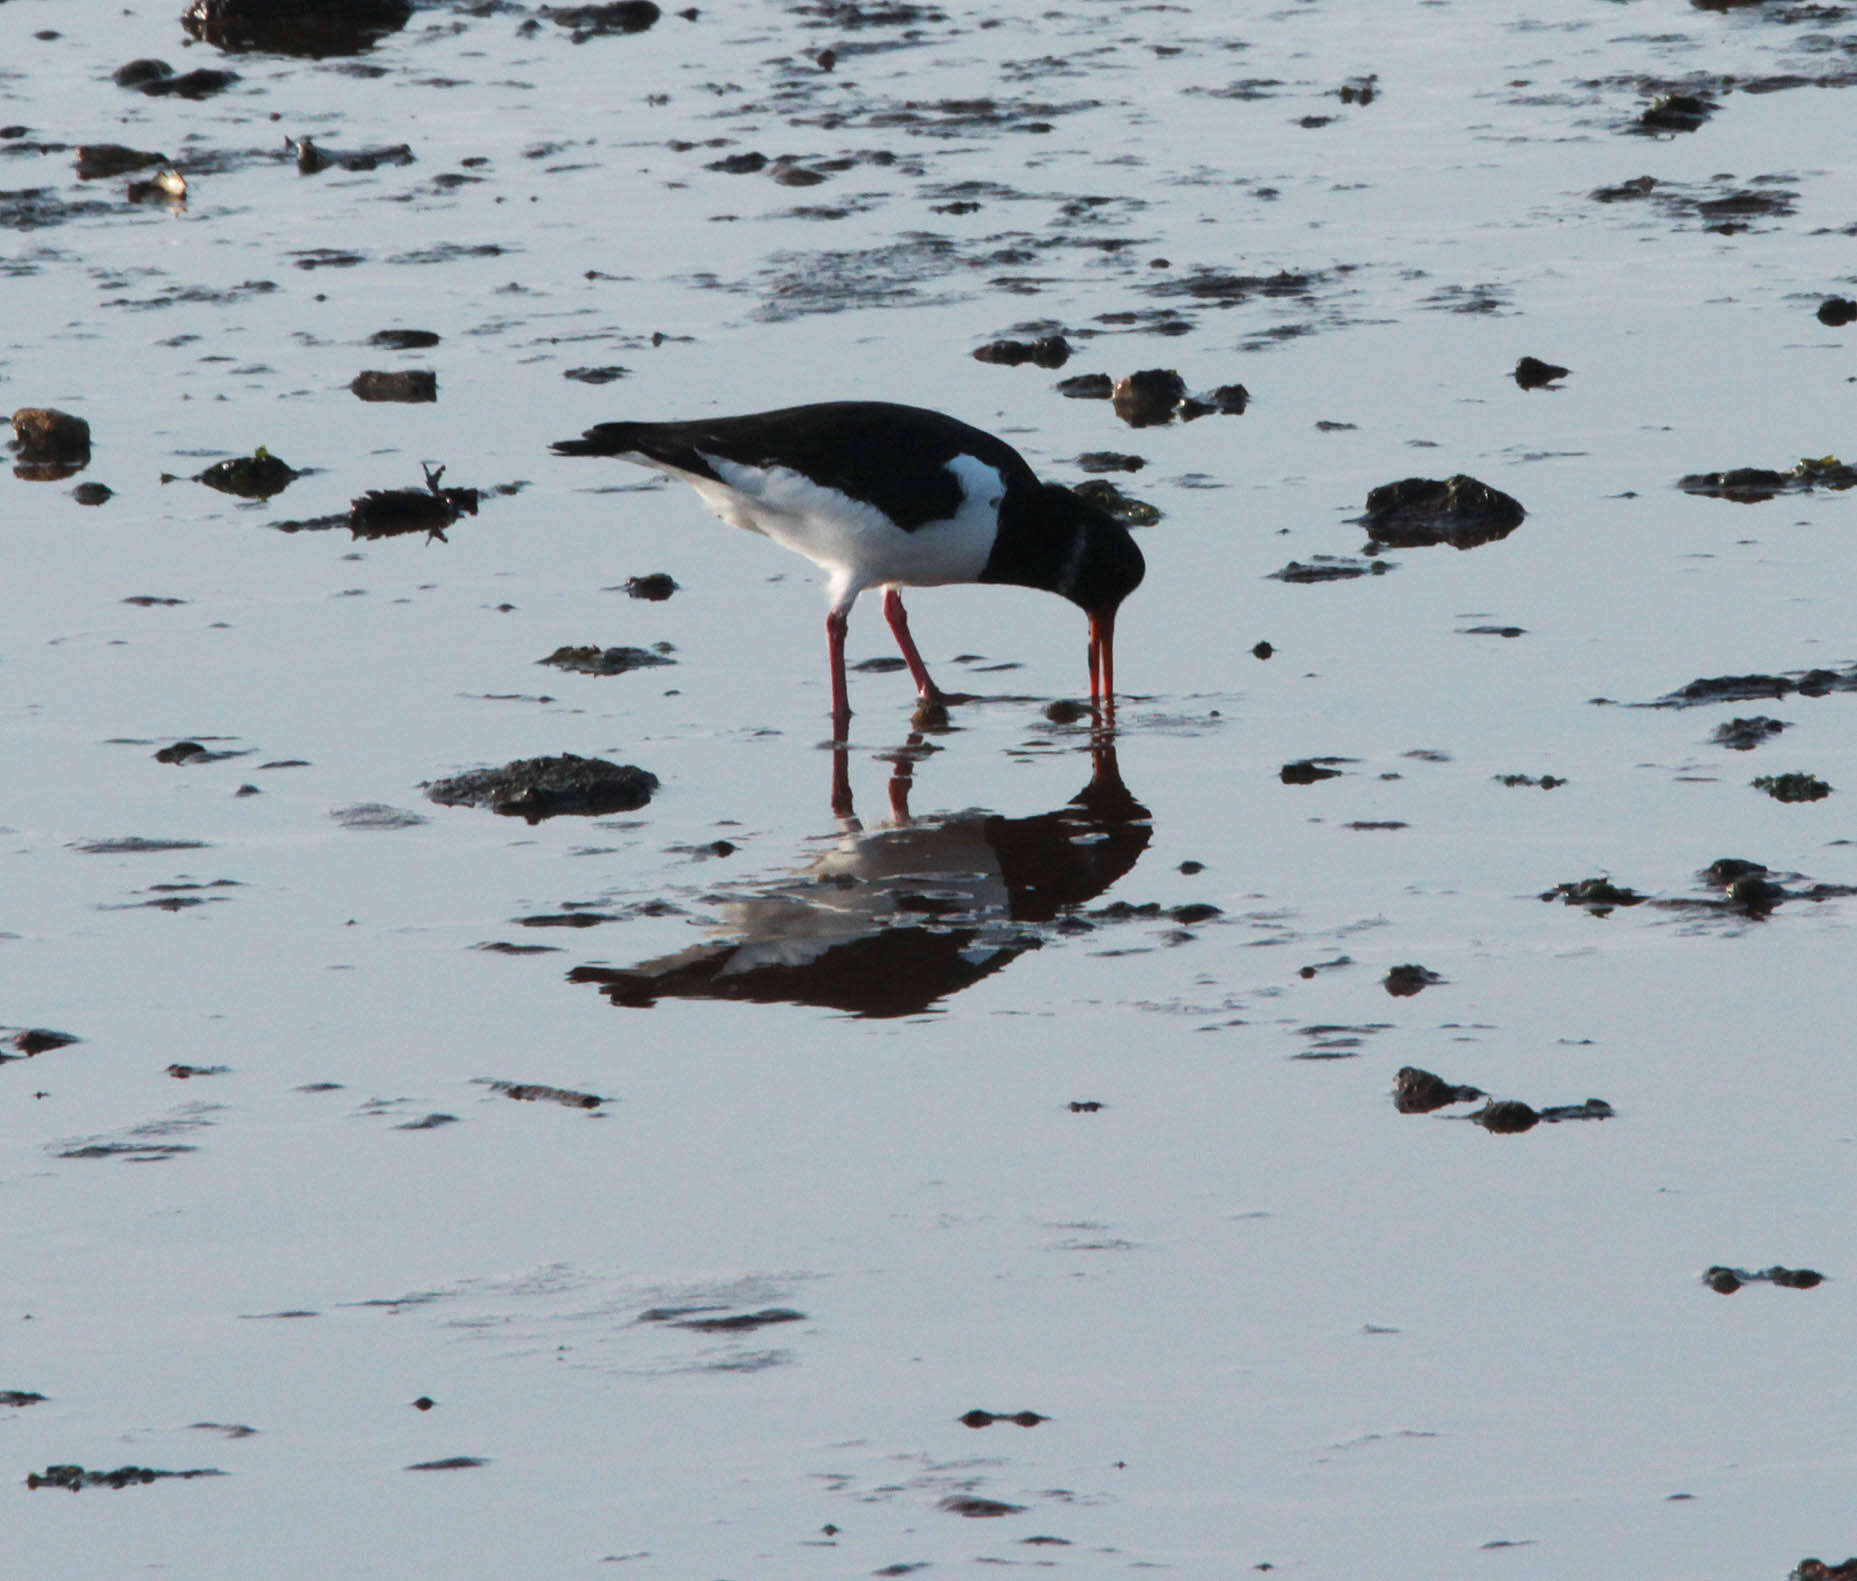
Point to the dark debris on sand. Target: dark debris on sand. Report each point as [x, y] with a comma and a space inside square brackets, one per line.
[592, 659]
[386, 513]
[295, 27]
[1725, 1281]
[1752, 688]
[1416, 513]
[76, 1478]
[549, 787]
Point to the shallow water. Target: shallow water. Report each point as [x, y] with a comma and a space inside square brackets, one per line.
[1270, 1319]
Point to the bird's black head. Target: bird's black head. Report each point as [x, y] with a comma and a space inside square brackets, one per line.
[1108, 565]
[1055, 540]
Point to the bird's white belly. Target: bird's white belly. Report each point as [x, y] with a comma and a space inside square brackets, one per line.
[852, 540]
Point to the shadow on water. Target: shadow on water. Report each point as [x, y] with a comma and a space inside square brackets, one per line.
[889, 921]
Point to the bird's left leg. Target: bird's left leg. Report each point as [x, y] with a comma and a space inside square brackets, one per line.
[899, 624]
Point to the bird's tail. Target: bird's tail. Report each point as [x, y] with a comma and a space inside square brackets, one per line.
[604, 439]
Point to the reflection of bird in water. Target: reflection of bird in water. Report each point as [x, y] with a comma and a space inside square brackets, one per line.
[879, 495]
[888, 922]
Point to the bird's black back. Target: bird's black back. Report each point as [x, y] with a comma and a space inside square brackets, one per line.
[890, 456]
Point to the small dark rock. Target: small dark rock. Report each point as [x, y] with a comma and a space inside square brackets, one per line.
[975, 1508]
[1730, 689]
[740, 1322]
[1097, 461]
[39, 1040]
[406, 384]
[1836, 311]
[1743, 485]
[136, 73]
[199, 84]
[1306, 772]
[295, 27]
[98, 160]
[1506, 1117]
[1725, 1281]
[1728, 870]
[254, 477]
[403, 339]
[312, 158]
[1600, 895]
[1329, 568]
[1417, 512]
[1755, 894]
[742, 164]
[165, 186]
[1418, 1091]
[591, 659]
[1531, 373]
[1149, 397]
[43, 433]
[595, 21]
[1792, 787]
[1818, 1570]
[656, 586]
[1743, 735]
[538, 788]
[1402, 982]
[1676, 112]
[536, 1092]
[1128, 510]
[1049, 351]
[1087, 387]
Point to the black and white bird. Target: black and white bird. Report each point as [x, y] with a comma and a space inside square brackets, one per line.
[880, 495]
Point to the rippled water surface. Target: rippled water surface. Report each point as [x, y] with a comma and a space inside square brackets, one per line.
[655, 1192]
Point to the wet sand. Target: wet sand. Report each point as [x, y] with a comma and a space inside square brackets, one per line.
[1029, 1168]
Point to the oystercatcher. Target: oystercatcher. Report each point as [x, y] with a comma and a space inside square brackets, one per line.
[880, 495]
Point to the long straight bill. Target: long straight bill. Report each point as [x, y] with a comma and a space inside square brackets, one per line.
[1102, 657]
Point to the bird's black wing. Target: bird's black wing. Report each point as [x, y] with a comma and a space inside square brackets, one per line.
[893, 457]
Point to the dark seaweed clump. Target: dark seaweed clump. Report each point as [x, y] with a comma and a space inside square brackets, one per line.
[295, 27]
[538, 788]
[1793, 787]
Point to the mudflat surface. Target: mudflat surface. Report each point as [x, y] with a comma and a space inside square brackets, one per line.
[1384, 1111]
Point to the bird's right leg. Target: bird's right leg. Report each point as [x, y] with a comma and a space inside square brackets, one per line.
[837, 620]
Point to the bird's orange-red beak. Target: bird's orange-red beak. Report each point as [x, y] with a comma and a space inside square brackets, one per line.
[1102, 657]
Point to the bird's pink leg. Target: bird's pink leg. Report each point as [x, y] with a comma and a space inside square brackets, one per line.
[836, 623]
[899, 624]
